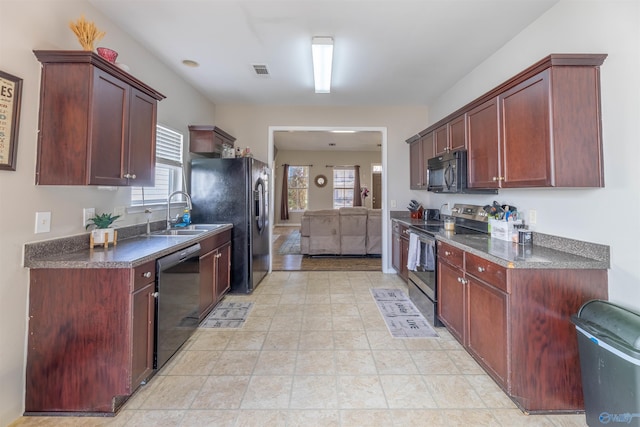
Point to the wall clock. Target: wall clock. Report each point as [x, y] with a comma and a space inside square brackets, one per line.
[321, 180]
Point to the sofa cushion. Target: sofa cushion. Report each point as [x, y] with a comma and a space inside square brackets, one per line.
[353, 231]
[374, 232]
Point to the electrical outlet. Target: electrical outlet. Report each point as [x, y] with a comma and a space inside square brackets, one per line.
[393, 204]
[119, 210]
[43, 222]
[86, 214]
[533, 216]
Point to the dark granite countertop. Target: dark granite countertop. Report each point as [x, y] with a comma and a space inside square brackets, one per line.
[131, 251]
[547, 252]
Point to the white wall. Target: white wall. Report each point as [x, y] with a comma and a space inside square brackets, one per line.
[607, 215]
[28, 25]
[250, 125]
[321, 197]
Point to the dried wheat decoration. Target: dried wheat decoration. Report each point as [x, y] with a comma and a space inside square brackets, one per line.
[86, 32]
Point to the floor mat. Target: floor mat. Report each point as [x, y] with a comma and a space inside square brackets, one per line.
[402, 318]
[291, 245]
[228, 315]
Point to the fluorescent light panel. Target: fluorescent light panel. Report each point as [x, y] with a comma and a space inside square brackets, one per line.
[322, 51]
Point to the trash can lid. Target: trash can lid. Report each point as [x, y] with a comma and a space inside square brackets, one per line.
[608, 320]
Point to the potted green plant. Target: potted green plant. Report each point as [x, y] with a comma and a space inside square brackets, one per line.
[102, 226]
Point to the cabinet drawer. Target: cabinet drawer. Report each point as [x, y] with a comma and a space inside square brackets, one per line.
[486, 271]
[143, 275]
[210, 243]
[450, 254]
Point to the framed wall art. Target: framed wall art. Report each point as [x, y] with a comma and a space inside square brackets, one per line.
[10, 94]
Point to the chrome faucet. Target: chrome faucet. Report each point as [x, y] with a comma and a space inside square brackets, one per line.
[189, 205]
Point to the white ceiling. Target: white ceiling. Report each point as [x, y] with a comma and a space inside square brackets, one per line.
[386, 52]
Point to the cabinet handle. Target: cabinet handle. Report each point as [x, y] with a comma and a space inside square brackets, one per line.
[155, 294]
[447, 253]
[405, 231]
[147, 274]
[130, 176]
[218, 255]
[481, 269]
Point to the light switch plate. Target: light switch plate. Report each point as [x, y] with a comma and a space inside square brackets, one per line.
[86, 214]
[43, 222]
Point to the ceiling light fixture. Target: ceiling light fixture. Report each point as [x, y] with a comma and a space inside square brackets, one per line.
[343, 131]
[322, 52]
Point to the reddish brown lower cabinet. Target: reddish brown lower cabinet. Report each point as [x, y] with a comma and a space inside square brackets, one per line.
[400, 249]
[90, 341]
[215, 270]
[516, 324]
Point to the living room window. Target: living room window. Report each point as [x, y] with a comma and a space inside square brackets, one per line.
[298, 182]
[343, 179]
[169, 148]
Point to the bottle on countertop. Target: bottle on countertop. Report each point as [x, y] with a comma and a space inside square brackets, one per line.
[186, 217]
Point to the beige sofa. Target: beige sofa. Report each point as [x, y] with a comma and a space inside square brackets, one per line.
[344, 231]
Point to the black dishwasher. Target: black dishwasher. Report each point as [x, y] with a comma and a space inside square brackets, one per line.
[177, 302]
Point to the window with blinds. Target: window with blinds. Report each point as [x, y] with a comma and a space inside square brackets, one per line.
[169, 149]
[343, 180]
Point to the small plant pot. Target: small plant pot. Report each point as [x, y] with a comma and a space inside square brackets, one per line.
[103, 236]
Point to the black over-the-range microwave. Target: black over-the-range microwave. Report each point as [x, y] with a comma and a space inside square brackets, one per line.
[447, 173]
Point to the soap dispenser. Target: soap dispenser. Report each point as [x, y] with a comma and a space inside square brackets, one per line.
[186, 216]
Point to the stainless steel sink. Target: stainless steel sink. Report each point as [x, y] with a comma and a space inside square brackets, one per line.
[205, 227]
[177, 232]
[190, 230]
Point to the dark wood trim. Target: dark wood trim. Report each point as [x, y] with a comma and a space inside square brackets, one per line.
[553, 60]
[87, 57]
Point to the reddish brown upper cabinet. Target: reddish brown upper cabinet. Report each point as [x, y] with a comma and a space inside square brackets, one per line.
[483, 145]
[516, 324]
[541, 128]
[420, 150]
[97, 123]
[450, 136]
[209, 140]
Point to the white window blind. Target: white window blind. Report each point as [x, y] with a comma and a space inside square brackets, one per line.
[169, 151]
[298, 185]
[343, 180]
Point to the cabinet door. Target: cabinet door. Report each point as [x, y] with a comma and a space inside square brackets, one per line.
[109, 116]
[416, 166]
[404, 257]
[223, 270]
[143, 334]
[451, 299]
[395, 252]
[483, 137]
[207, 283]
[141, 141]
[487, 327]
[441, 139]
[428, 151]
[458, 133]
[526, 133]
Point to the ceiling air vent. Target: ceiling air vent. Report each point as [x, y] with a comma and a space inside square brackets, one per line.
[261, 70]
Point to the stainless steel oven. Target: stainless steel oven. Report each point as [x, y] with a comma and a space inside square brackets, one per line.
[422, 266]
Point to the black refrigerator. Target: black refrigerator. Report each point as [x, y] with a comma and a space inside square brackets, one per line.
[236, 191]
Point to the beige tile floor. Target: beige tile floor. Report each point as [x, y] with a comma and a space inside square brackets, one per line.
[316, 352]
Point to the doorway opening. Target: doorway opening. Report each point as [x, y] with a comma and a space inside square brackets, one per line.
[323, 137]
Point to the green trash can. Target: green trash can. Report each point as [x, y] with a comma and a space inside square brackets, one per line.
[609, 348]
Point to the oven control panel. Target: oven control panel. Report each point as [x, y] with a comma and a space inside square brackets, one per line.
[472, 212]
